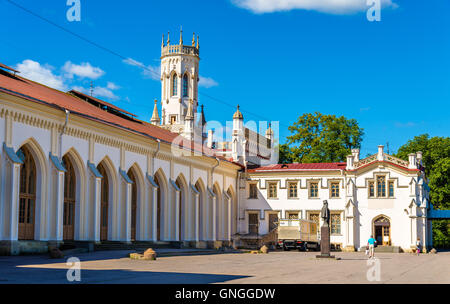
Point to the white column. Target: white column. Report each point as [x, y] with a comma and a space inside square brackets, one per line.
[154, 193]
[59, 205]
[197, 217]
[177, 216]
[229, 220]
[128, 212]
[214, 207]
[97, 212]
[350, 231]
[10, 195]
[413, 230]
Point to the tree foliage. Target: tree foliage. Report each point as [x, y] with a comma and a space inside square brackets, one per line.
[321, 138]
[436, 160]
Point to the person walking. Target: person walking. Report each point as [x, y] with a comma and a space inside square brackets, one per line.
[418, 246]
[371, 242]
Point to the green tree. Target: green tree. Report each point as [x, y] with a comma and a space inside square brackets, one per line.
[436, 160]
[321, 138]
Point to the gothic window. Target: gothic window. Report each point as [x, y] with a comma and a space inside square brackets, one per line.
[381, 186]
[253, 191]
[334, 191]
[391, 189]
[185, 86]
[371, 189]
[173, 119]
[313, 189]
[336, 223]
[174, 85]
[293, 190]
[272, 190]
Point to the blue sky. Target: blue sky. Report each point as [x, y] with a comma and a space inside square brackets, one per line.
[393, 76]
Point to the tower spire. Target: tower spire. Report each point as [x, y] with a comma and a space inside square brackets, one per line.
[202, 121]
[181, 35]
[168, 38]
[155, 120]
[162, 42]
[198, 45]
[193, 39]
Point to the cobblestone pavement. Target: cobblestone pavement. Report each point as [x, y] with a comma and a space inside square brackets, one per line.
[275, 267]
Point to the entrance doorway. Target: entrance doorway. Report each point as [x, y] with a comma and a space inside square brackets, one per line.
[382, 231]
[253, 223]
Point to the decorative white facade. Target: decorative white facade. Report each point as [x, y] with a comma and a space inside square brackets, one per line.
[381, 196]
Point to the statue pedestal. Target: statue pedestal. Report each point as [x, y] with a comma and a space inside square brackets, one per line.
[325, 247]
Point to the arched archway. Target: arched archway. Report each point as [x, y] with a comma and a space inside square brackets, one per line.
[161, 195]
[107, 193]
[32, 197]
[27, 194]
[182, 223]
[137, 208]
[381, 226]
[133, 204]
[202, 211]
[70, 184]
[219, 212]
[79, 178]
[104, 203]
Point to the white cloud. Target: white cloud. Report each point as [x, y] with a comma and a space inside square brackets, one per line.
[152, 72]
[98, 92]
[408, 124]
[83, 70]
[41, 73]
[207, 82]
[112, 86]
[325, 6]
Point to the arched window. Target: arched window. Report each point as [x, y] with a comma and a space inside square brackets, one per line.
[174, 85]
[185, 86]
[27, 195]
[69, 200]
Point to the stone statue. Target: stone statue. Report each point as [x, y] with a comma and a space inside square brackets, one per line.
[325, 214]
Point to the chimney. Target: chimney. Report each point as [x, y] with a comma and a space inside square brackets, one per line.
[419, 157]
[412, 161]
[350, 162]
[380, 155]
[210, 138]
[355, 153]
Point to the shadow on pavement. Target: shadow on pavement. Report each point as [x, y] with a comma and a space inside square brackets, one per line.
[58, 276]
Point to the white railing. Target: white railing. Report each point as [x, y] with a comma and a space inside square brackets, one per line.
[179, 49]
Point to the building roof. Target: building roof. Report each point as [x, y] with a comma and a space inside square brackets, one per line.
[76, 103]
[4, 66]
[300, 167]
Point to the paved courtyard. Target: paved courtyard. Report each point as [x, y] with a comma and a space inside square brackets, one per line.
[275, 267]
